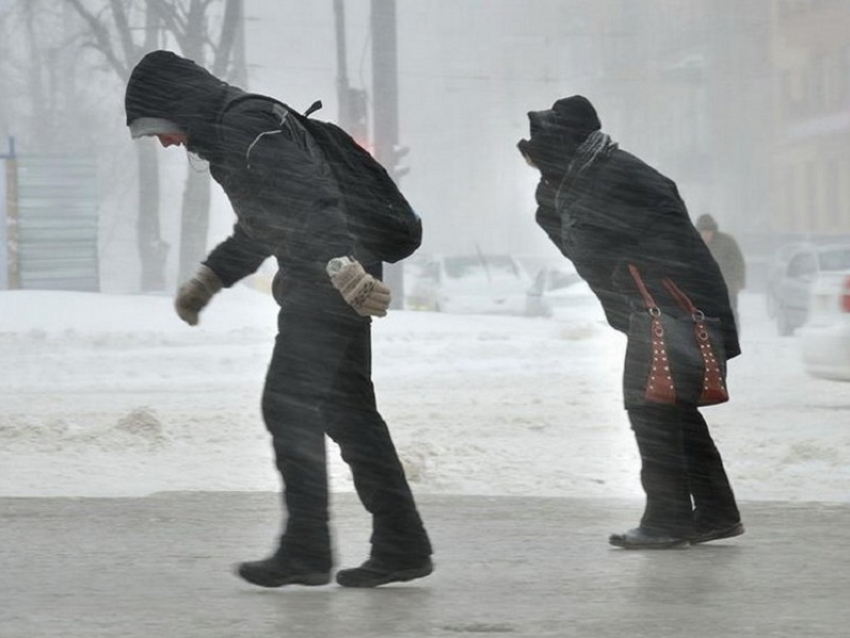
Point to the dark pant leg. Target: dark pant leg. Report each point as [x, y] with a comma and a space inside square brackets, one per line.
[714, 501]
[304, 365]
[366, 446]
[664, 471]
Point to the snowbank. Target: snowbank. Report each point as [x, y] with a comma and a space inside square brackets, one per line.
[113, 395]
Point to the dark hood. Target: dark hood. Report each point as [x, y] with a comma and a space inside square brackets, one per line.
[164, 85]
[556, 133]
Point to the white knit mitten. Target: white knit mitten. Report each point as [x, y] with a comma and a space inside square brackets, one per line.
[367, 295]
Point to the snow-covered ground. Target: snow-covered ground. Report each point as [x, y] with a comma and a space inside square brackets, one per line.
[111, 395]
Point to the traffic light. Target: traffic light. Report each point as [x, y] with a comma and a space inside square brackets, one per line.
[358, 113]
[396, 170]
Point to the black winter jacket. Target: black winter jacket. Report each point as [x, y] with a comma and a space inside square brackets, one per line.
[621, 211]
[286, 201]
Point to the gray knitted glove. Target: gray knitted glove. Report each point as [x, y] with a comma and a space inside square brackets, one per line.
[367, 295]
[195, 294]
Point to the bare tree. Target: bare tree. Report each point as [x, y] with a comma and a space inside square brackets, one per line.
[6, 70]
[188, 21]
[36, 76]
[110, 32]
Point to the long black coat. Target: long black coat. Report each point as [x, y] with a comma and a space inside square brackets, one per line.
[621, 211]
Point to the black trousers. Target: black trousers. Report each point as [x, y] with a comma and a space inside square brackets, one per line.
[319, 383]
[682, 473]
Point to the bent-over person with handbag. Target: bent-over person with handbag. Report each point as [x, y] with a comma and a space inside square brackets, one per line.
[628, 233]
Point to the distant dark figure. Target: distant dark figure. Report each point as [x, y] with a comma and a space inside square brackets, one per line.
[605, 209]
[728, 256]
[288, 205]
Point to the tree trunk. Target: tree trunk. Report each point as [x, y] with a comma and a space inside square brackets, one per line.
[195, 223]
[152, 249]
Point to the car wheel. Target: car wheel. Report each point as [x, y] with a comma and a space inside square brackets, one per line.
[783, 323]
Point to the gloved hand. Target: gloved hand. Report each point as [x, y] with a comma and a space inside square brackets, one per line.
[196, 293]
[367, 295]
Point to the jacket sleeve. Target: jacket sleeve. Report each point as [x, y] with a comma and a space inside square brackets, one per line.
[598, 247]
[546, 216]
[236, 257]
[606, 226]
[282, 187]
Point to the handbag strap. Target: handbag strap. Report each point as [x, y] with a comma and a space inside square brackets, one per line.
[713, 384]
[660, 387]
[681, 298]
[648, 299]
[678, 294]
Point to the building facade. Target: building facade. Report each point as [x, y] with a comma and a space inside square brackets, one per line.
[812, 97]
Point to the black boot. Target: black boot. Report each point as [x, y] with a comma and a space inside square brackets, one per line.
[274, 572]
[380, 571]
[717, 533]
[640, 538]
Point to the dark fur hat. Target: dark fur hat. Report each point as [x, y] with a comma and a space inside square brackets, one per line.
[556, 133]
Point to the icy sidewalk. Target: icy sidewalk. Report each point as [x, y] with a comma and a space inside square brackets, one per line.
[160, 567]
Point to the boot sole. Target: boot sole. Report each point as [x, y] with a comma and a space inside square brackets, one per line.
[728, 532]
[400, 576]
[270, 581]
[626, 544]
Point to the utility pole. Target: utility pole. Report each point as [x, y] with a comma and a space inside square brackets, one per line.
[240, 62]
[341, 66]
[353, 112]
[10, 266]
[385, 113]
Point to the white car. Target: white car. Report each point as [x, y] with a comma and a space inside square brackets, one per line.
[791, 288]
[469, 284]
[559, 291]
[825, 337]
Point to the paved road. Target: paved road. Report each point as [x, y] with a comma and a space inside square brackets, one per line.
[160, 567]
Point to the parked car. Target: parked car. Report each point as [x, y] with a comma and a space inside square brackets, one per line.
[793, 287]
[473, 284]
[776, 270]
[558, 290]
[825, 337]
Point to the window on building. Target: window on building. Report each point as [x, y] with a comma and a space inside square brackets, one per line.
[811, 210]
[831, 78]
[831, 194]
[844, 76]
[793, 84]
[815, 85]
[789, 198]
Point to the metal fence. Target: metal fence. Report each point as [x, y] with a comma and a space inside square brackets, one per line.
[53, 234]
[4, 258]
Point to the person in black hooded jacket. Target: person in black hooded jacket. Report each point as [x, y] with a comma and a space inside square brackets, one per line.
[288, 206]
[605, 209]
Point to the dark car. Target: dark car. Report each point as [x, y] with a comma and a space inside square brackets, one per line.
[790, 290]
